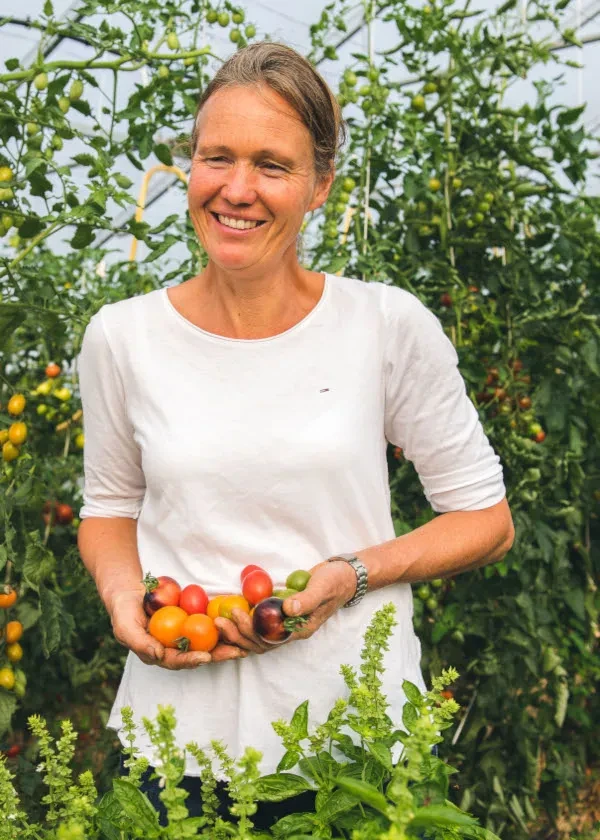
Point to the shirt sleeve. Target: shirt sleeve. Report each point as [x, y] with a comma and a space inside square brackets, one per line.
[114, 483]
[429, 414]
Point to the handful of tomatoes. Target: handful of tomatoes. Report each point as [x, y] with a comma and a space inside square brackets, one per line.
[184, 618]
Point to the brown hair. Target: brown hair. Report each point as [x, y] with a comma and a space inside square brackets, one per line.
[293, 77]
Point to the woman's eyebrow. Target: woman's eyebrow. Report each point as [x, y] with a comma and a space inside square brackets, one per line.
[260, 155]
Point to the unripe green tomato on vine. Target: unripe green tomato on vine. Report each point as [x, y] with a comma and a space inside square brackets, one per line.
[235, 35]
[489, 197]
[6, 193]
[187, 62]
[373, 74]
[223, 19]
[431, 604]
[57, 142]
[430, 87]
[434, 184]
[478, 218]
[348, 184]
[456, 183]
[250, 30]
[211, 16]
[365, 90]
[340, 208]
[163, 72]
[32, 128]
[238, 16]
[350, 78]
[41, 81]
[76, 90]
[172, 41]
[345, 197]
[418, 102]
[64, 104]
[484, 206]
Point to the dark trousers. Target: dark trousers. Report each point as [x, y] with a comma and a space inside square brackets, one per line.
[267, 812]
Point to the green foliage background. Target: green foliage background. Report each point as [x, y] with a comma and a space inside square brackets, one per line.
[478, 208]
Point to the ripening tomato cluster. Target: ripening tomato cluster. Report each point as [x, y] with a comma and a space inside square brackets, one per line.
[14, 437]
[505, 393]
[184, 618]
[11, 652]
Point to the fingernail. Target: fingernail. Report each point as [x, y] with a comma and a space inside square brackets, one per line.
[295, 607]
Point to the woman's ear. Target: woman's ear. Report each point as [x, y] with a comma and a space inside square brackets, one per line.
[321, 190]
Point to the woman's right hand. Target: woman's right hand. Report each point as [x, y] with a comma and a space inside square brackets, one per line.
[130, 623]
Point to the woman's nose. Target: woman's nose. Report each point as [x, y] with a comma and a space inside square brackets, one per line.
[240, 186]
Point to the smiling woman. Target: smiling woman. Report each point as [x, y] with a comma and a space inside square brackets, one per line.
[266, 444]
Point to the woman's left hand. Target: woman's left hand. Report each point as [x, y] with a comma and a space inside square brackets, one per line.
[331, 585]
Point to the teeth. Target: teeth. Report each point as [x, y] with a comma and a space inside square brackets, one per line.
[240, 224]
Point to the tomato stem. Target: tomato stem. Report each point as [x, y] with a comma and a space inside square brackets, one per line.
[150, 582]
[293, 622]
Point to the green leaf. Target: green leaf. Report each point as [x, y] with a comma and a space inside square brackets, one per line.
[337, 264]
[11, 64]
[413, 694]
[123, 181]
[505, 7]
[409, 716]
[50, 620]
[163, 153]
[137, 807]
[293, 825]
[279, 786]
[84, 236]
[338, 802]
[39, 561]
[363, 791]
[299, 722]
[289, 760]
[110, 815]
[48, 8]
[441, 816]
[381, 753]
[3, 557]
[591, 354]
[570, 115]
[12, 316]
[27, 613]
[8, 704]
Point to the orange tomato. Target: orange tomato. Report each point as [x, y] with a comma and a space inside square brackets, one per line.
[16, 404]
[199, 633]
[232, 602]
[7, 599]
[17, 433]
[213, 605]
[165, 625]
[52, 370]
[14, 632]
[9, 451]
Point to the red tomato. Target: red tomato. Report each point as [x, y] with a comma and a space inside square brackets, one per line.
[248, 569]
[256, 587]
[162, 591]
[198, 633]
[13, 751]
[193, 599]
[64, 514]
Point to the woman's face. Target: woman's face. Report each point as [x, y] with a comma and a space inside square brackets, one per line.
[253, 161]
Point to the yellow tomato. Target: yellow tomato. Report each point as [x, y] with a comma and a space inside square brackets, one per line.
[17, 433]
[7, 678]
[14, 652]
[3, 436]
[231, 603]
[44, 387]
[16, 404]
[80, 440]
[213, 605]
[9, 451]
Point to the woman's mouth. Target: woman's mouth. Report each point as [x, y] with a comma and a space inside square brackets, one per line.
[237, 226]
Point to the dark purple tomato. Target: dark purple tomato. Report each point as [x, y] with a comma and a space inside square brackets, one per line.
[270, 622]
[161, 592]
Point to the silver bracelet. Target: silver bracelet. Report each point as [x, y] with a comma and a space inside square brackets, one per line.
[361, 576]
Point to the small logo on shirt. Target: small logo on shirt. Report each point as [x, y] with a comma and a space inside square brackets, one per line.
[322, 391]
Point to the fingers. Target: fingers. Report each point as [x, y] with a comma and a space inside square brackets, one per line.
[239, 632]
[176, 660]
[223, 652]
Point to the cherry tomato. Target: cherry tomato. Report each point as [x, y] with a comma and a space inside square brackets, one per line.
[3, 436]
[212, 609]
[198, 633]
[248, 569]
[13, 751]
[64, 514]
[298, 580]
[165, 625]
[16, 404]
[7, 678]
[162, 591]
[270, 622]
[52, 370]
[524, 403]
[9, 451]
[7, 598]
[284, 593]
[14, 632]
[17, 433]
[256, 587]
[231, 603]
[14, 652]
[446, 300]
[193, 599]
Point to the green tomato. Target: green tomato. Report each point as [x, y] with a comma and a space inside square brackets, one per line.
[64, 104]
[431, 604]
[418, 102]
[350, 78]
[32, 128]
[344, 197]
[6, 193]
[239, 16]
[284, 593]
[57, 142]
[250, 31]
[297, 580]
[437, 583]
[235, 35]
[172, 41]
[211, 16]
[489, 197]
[478, 218]
[41, 81]
[163, 72]
[76, 90]
[484, 206]
[348, 184]
[423, 592]
[340, 208]
[430, 87]
[373, 74]
[365, 90]
[223, 19]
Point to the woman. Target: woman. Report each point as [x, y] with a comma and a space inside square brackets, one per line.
[266, 440]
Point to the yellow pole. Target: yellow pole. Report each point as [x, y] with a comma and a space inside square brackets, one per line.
[139, 213]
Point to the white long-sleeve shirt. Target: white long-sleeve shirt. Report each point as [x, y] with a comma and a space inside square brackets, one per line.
[273, 451]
